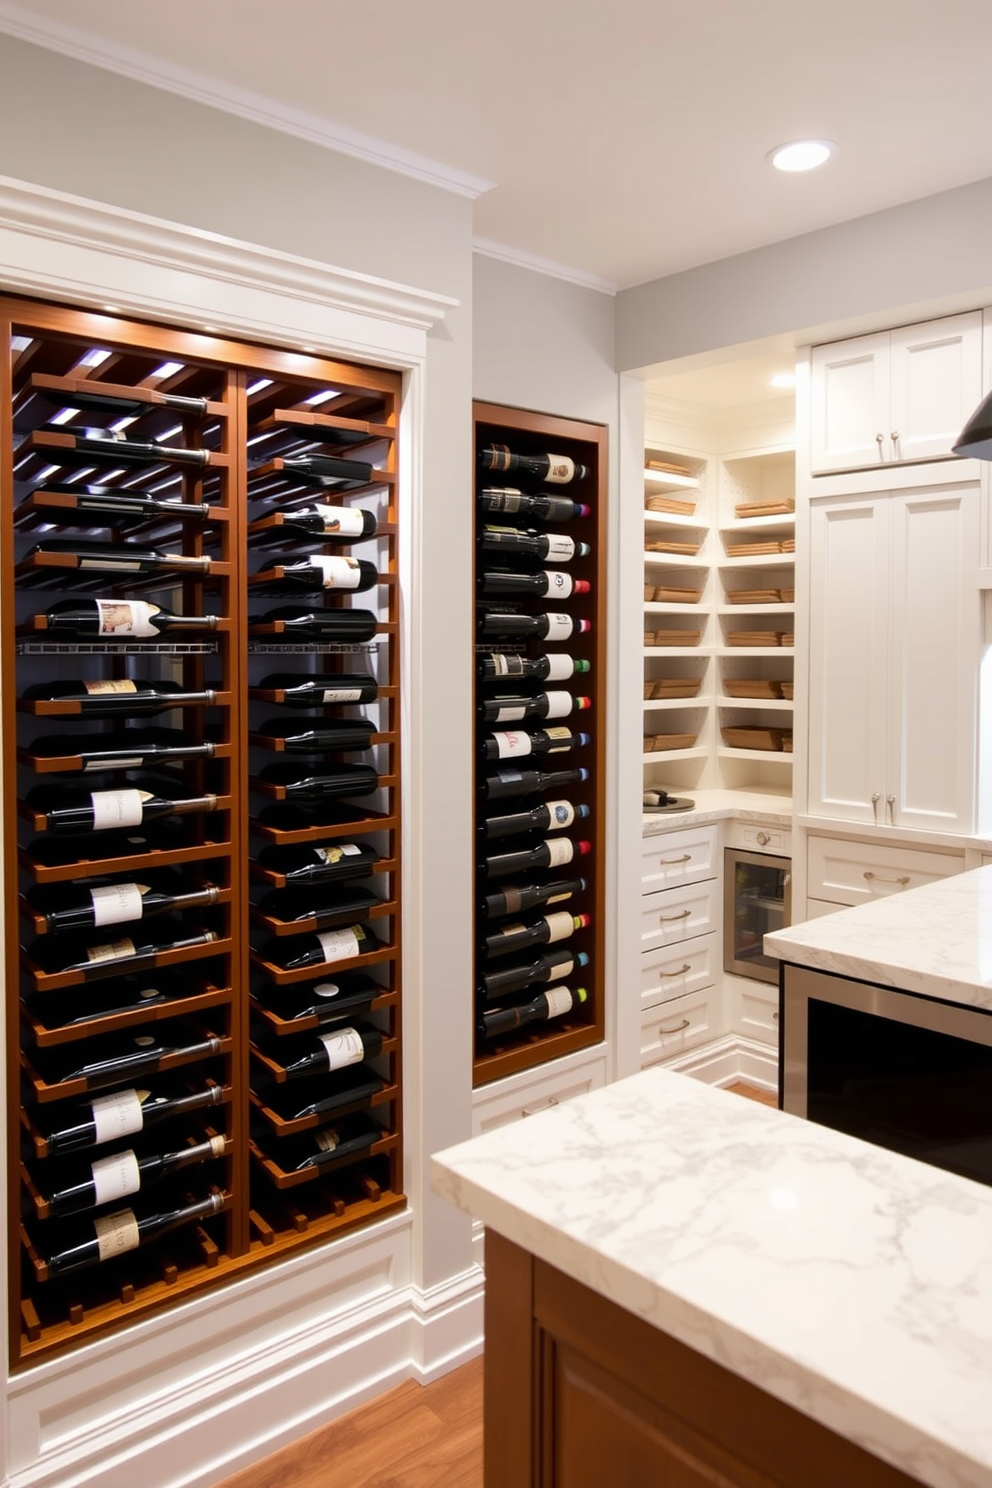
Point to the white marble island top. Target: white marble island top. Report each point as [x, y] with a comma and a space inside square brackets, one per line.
[935, 940]
[848, 1281]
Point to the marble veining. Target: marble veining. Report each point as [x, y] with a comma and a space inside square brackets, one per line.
[721, 805]
[848, 1281]
[935, 940]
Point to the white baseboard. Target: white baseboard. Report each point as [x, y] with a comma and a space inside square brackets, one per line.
[728, 1059]
[446, 1325]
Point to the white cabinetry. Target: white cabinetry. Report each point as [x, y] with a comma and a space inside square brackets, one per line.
[680, 940]
[895, 397]
[894, 656]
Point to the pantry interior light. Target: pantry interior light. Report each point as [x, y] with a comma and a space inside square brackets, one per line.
[783, 380]
[801, 155]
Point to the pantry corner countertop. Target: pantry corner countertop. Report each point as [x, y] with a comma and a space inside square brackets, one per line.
[721, 805]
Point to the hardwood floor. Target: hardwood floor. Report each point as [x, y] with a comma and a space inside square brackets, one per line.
[752, 1092]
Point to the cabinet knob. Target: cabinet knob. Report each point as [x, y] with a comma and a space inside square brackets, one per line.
[875, 798]
[895, 436]
[763, 839]
[880, 440]
[890, 802]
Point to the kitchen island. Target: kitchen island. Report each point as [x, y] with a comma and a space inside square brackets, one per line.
[686, 1288]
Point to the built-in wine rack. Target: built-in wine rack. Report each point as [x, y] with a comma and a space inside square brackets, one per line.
[136, 581]
[571, 1014]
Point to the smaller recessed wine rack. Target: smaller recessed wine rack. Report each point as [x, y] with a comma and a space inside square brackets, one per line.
[540, 697]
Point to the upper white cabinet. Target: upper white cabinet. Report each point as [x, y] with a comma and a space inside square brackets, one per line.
[896, 397]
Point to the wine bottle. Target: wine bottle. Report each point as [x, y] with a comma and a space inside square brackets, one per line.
[329, 1146]
[556, 470]
[515, 898]
[79, 393]
[497, 620]
[125, 750]
[68, 811]
[509, 939]
[326, 906]
[113, 1058]
[514, 744]
[505, 501]
[136, 992]
[554, 1003]
[113, 1234]
[327, 1001]
[550, 816]
[124, 697]
[319, 1096]
[320, 865]
[324, 784]
[558, 668]
[298, 622]
[115, 557]
[57, 852]
[121, 1113]
[121, 1173]
[511, 542]
[553, 704]
[301, 1054]
[554, 852]
[325, 471]
[115, 619]
[554, 582]
[292, 952]
[101, 901]
[100, 958]
[322, 735]
[329, 523]
[83, 506]
[297, 690]
[288, 816]
[509, 783]
[546, 966]
[321, 571]
[108, 447]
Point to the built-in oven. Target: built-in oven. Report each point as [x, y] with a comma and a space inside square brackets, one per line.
[910, 1073]
[757, 898]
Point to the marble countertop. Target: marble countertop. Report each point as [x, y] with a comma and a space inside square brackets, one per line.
[935, 940]
[718, 805]
[849, 1282]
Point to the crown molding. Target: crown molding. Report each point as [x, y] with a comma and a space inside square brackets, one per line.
[142, 67]
[524, 260]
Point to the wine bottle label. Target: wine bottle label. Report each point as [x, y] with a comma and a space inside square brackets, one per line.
[559, 704]
[102, 689]
[507, 666]
[557, 582]
[563, 968]
[327, 989]
[342, 694]
[512, 900]
[115, 903]
[124, 763]
[116, 1233]
[117, 1115]
[343, 1047]
[115, 1177]
[559, 1000]
[337, 944]
[111, 951]
[115, 565]
[327, 1139]
[120, 808]
[337, 572]
[335, 854]
[560, 548]
[559, 852]
[511, 713]
[506, 500]
[559, 627]
[561, 739]
[560, 926]
[559, 667]
[562, 813]
[560, 470]
[498, 457]
[557, 898]
[125, 617]
[512, 745]
[338, 520]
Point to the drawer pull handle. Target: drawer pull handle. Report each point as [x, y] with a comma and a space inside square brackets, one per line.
[533, 1110]
[677, 1029]
[775, 1016]
[878, 878]
[667, 919]
[666, 975]
[674, 862]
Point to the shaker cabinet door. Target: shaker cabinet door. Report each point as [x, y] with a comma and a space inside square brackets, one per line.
[936, 384]
[849, 404]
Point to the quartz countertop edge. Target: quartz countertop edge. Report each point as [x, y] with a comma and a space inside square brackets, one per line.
[721, 805]
[935, 940]
[845, 1280]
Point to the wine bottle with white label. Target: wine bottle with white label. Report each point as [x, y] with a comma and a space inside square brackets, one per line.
[296, 690]
[509, 939]
[516, 744]
[505, 784]
[554, 704]
[558, 668]
[319, 865]
[70, 812]
[114, 901]
[547, 966]
[97, 957]
[556, 1002]
[505, 501]
[321, 571]
[121, 1113]
[318, 735]
[125, 558]
[112, 1058]
[511, 542]
[553, 852]
[292, 952]
[323, 1052]
[327, 1000]
[497, 621]
[557, 470]
[125, 750]
[516, 898]
[126, 697]
[330, 523]
[300, 622]
[115, 619]
[320, 784]
[553, 583]
[325, 906]
[109, 1179]
[113, 1235]
[332, 1145]
[550, 816]
[107, 447]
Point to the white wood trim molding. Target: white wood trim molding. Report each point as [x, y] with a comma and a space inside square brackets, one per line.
[506, 253]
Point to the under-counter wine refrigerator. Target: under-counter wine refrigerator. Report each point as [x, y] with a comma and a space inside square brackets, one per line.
[540, 696]
[201, 810]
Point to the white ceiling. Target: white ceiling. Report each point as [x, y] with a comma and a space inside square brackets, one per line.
[729, 384]
[625, 138]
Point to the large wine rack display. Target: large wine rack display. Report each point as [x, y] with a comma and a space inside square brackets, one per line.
[201, 811]
[541, 737]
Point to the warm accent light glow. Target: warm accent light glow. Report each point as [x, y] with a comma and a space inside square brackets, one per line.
[801, 155]
[783, 380]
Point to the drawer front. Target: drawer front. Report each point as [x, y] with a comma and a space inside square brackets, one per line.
[759, 1013]
[679, 1026]
[858, 872]
[817, 908]
[674, 915]
[756, 837]
[675, 970]
[522, 1096]
[678, 857]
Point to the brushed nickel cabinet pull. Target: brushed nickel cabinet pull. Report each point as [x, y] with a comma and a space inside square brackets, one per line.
[875, 798]
[667, 919]
[890, 802]
[667, 975]
[677, 1029]
[674, 862]
[878, 878]
[533, 1110]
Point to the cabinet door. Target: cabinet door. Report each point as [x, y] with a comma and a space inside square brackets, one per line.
[847, 662]
[849, 404]
[934, 652]
[935, 385]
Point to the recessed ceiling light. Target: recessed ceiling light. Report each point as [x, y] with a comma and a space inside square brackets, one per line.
[801, 155]
[783, 380]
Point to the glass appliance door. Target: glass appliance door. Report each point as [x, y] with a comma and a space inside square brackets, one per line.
[756, 901]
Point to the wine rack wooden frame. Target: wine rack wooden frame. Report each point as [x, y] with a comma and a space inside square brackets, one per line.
[263, 1219]
[532, 434]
